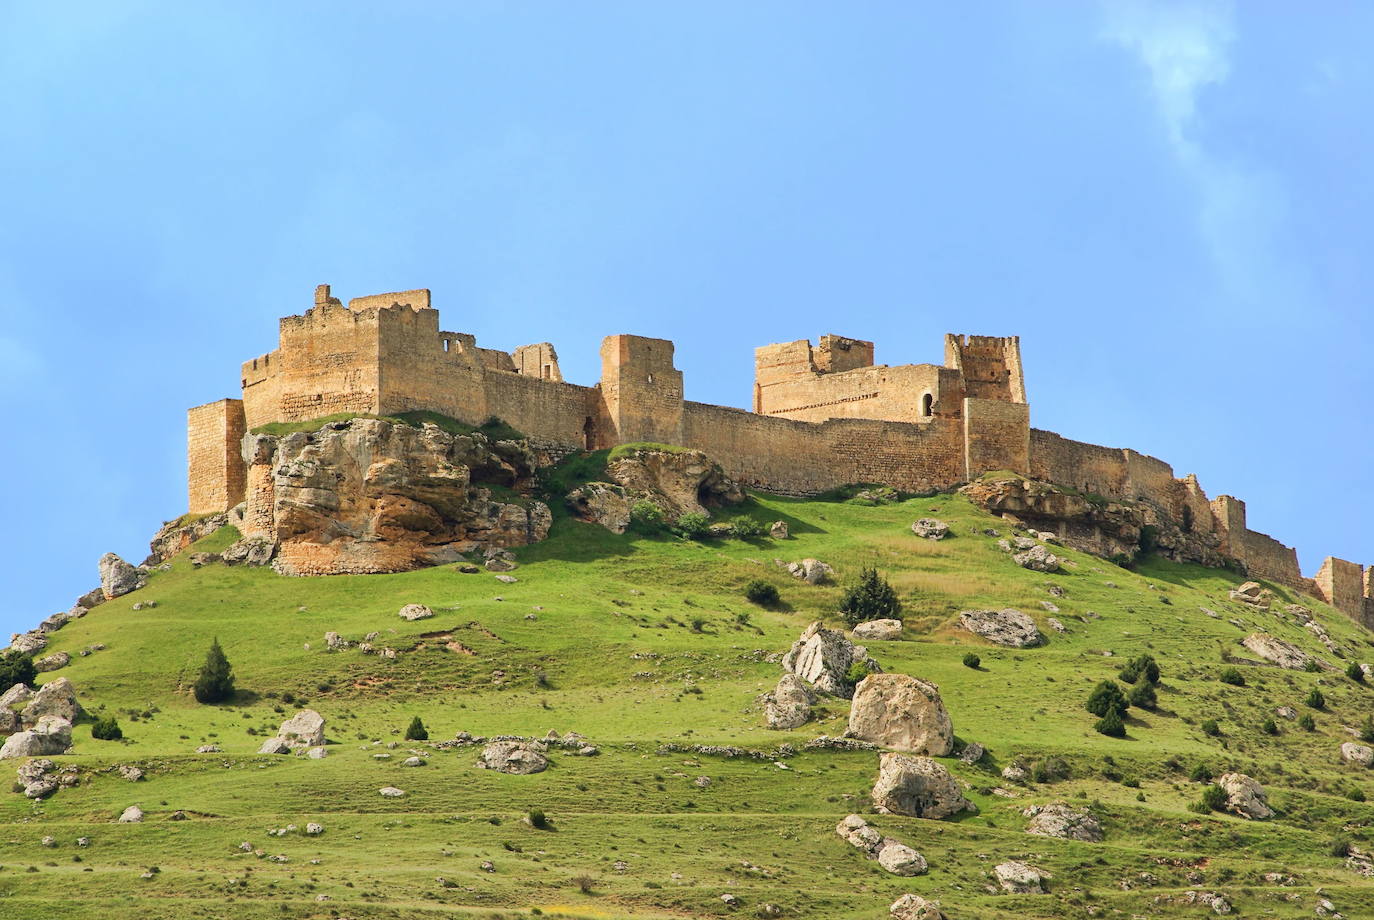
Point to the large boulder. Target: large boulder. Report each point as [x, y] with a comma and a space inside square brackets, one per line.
[519, 757]
[930, 528]
[55, 698]
[1357, 753]
[1251, 593]
[1245, 797]
[822, 657]
[29, 643]
[901, 712]
[53, 662]
[1037, 559]
[914, 907]
[788, 706]
[859, 834]
[811, 571]
[414, 612]
[892, 855]
[50, 735]
[602, 503]
[1008, 626]
[117, 577]
[1019, 878]
[303, 730]
[1059, 820]
[1277, 651]
[678, 481]
[878, 630]
[917, 787]
[15, 696]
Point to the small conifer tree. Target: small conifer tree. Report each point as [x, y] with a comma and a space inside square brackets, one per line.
[871, 599]
[1142, 695]
[1107, 696]
[216, 681]
[16, 667]
[416, 731]
[1111, 725]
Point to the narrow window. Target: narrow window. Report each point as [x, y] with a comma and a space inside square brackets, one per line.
[446, 342]
[548, 371]
[589, 434]
[927, 401]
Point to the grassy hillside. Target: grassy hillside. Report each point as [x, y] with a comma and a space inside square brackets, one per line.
[640, 643]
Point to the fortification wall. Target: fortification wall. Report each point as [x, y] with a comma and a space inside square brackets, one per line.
[996, 436]
[1267, 558]
[1088, 468]
[641, 392]
[421, 368]
[214, 466]
[990, 365]
[879, 392]
[1342, 585]
[553, 414]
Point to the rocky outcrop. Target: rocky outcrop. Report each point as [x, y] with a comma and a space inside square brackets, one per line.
[677, 481]
[1059, 820]
[369, 495]
[1252, 593]
[1245, 797]
[822, 657]
[55, 698]
[878, 630]
[1037, 559]
[892, 855]
[914, 907]
[930, 529]
[1008, 626]
[519, 757]
[52, 662]
[50, 735]
[917, 787]
[1360, 754]
[788, 706]
[1277, 651]
[1020, 878]
[901, 712]
[811, 571]
[118, 578]
[1093, 525]
[301, 732]
[175, 536]
[408, 612]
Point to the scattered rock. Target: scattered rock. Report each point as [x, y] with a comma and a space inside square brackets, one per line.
[317, 753]
[208, 749]
[518, 757]
[822, 657]
[778, 531]
[130, 772]
[1008, 627]
[1019, 878]
[55, 698]
[901, 712]
[914, 907]
[413, 762]
[1251, 593]
[1015, 772]
[1277, 651]
[1037, 559]
[415, 612]
[117, 577]
[811, 571]
[918, 787]
[499, 560]
[14, 696]
[1357, 753]
[930, 529]
[275, 746]
[900, 859]
[1054, 624]
[1059, 820]
[303, 730]
[132, 815]
[50, 735]
[788, 706]
[314, 830]
[1286, 712]
[1245, 797]
[972, 753]
[878, 630]
[390, 792]
[52, 662]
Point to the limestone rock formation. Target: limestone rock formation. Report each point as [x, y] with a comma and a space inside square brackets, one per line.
[901, 712]
[1271, 649]
[918, 787]
[369, 495]
[1357, 753]
[50, 735]
[892, 855]
[1059, 820]
[878, 630]
[1245, 797]
[117, 577]
[822, 657]
[811, 571]
[1037, 559]
[1251, 593]
[779, 531]
[1008, 626]
[52, 662]
[677, 481]
[602, 503]
[914, 907]
[176, 535]
[1020, 878]
[131, 815]
[788, 706]
[411, 612]
[514, 757]
[55, 698]
[930, 528]
[302, 731]
[900, 859]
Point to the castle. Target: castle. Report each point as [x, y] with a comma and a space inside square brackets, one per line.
[823, 416]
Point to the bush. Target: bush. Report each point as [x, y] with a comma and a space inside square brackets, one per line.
[871, 599]
[106, 729]
[1111, 725]
[584, 883]
[416, 731]
[971, 660]
[1356, 794]
[16, 667]
[1311, 666]
[1142, 665]
[1232, 676]
[1315, 699]
[1269, 727]
[1307, 723]
[538, 820]
[1142, 695]
[1214, 798]
[1107, 697]
[1201, 773]
[1050, 770]
[216, 681]
[1211, 728]
[1339, 847]
[762, 593]
[1355, 672]
[646, 518]
[746, 528]
[693, 525]
[856, 672]
[1367, 730]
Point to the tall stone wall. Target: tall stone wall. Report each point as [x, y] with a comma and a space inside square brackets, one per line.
[641, 392]
[879, 392]
[1344, 585]
[214, 467]
[996, 436]
[990, 365]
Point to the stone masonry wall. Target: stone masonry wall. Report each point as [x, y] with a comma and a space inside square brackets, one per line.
[215, 470]
[996, 436]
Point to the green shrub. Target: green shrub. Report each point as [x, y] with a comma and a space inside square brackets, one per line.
[1141, 665]
[16, 667]
[1232, 676]
[216, 681]
[1355, 672]
[1142, 695]
[1201, 773]
[416, 731]
[1050, 770]
[1311, 666]
[1107, 697]
[871, 599]
[856, 672]
[1356, 794]
[538, 820]
[746, 528]
[693, 525]
[1214, 798]
[762, 593]
[106, 729]
[1307, 723]
[1211, 728]
[1367, 730]
[971, 660]
[1316, 699]
[646, 518]
[1339, 847]
[1111, 725]
[1269, 727]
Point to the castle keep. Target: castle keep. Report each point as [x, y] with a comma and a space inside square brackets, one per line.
[822, 416]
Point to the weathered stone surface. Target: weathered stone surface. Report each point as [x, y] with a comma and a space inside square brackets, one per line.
[679, 481]
[16, 695]
[131, 815]
[822, 657]
[415, 612]
[1245, 797]
[275, 746]
[788, 706]
[29, 643]
[303, 730]
[55, 698]
[930, 528]
[901, 712]
[1015, 772]
[369, 495]
[779, 531]
[1059, 820]
[250, 551]
[50, 735]
[602, 503]
[1357, 753]
[1037, 559]
[1251, 593]
[914, 907]
[175, 536]
[117, 577]
[878, 630]
[892, 855]
[1008, 626]
[52, 662]
[917, 787]
[811, 571]
[514, 757]
[1019, 878]
[858, 833]
[1277, 651]
[900, 859]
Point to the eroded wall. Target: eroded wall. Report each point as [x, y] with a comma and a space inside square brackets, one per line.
[214, 466]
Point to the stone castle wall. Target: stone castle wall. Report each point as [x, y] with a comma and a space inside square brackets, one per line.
[823, 417]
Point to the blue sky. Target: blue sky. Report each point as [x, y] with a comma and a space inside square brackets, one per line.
[1168, 202]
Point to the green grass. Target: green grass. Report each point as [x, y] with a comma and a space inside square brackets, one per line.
[493, 428]
[611, 653]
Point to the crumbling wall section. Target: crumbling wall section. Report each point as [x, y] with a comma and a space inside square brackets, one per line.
[215, 473]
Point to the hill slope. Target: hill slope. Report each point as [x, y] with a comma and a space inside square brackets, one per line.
[648, 647]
